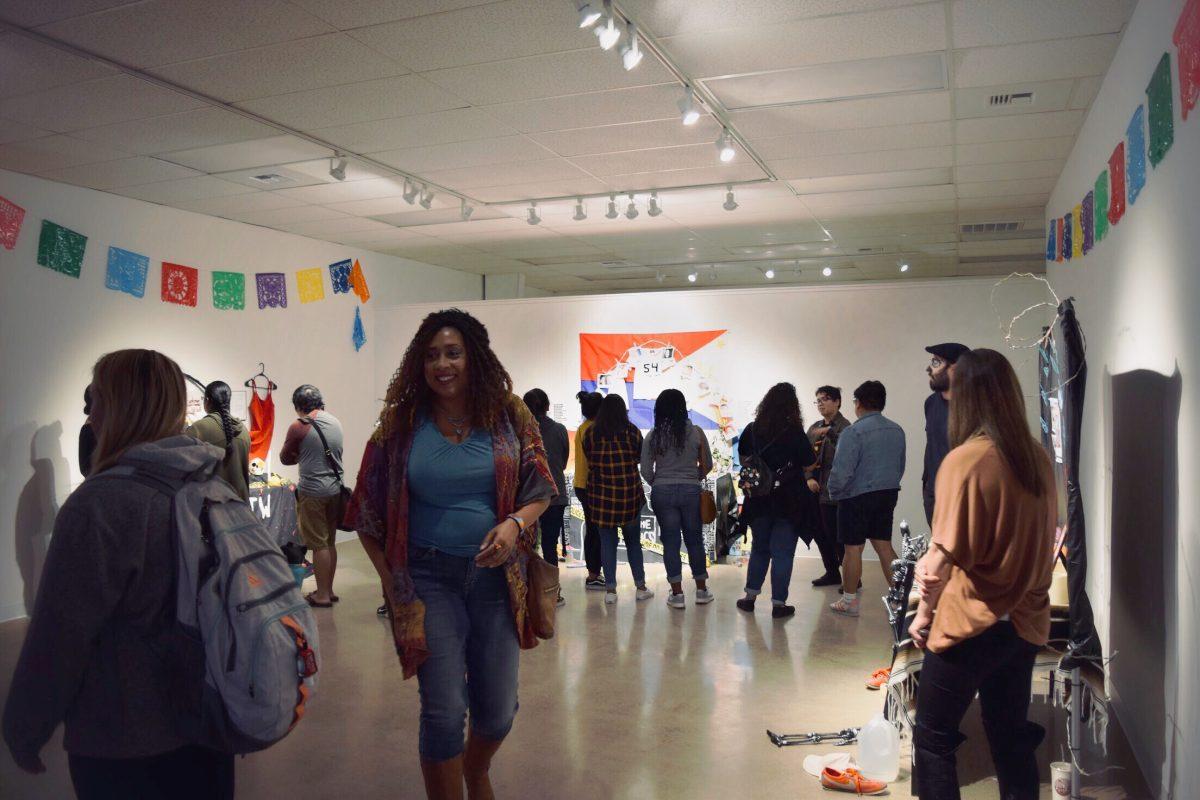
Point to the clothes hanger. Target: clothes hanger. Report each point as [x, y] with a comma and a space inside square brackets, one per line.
[262, 373]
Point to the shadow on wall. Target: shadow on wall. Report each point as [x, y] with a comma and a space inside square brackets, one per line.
[1143, 625]
[37, 505]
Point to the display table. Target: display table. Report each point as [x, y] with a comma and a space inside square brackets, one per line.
[275, 505]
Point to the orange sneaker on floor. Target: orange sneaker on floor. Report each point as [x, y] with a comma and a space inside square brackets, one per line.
[878, 678]
[850, 780]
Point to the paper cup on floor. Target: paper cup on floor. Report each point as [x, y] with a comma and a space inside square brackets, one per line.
[1060, 779]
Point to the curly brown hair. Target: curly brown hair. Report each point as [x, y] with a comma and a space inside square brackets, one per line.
[488, 382]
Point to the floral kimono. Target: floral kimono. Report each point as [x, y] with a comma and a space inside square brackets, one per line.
[379, 509]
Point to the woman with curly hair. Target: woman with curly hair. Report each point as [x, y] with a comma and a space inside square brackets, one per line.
[675, 458]
[449, 492]
[789, 510]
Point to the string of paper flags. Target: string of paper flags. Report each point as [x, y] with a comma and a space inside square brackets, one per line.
[1073, 235]
[62, 250]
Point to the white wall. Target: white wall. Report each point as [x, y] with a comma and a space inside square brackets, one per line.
[53, 328]
[1136, 295]
[809, 336]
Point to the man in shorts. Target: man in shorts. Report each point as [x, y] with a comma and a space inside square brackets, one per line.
[319, 490]
[865, 482]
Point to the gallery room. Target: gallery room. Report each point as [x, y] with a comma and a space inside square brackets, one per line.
[599, 398]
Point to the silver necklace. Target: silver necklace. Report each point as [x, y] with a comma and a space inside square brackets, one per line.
[459, 424]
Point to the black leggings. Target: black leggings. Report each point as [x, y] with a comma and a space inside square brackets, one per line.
[591, 536]
[189, 773]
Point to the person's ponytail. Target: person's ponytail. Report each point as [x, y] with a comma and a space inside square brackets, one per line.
[218, 394]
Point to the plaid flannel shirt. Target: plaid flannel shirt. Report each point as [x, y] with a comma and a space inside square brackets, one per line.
[615, 494]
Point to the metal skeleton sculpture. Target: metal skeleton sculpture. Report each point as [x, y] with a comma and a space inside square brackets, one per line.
[904, 570]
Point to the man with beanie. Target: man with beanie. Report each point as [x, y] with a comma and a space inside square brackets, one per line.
[937, 416]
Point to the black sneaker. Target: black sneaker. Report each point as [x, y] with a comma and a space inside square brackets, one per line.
[594, 583]
[828, 579]
[780, 612]
[746, 604]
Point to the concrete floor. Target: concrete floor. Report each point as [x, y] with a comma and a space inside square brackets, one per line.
[635, 700]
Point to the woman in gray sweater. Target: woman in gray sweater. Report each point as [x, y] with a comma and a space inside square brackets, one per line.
[675, 459]
[95, 653]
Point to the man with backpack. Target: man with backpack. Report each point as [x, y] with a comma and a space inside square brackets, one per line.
[314, 443]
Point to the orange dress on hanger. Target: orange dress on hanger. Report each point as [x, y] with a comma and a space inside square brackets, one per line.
[262, 424]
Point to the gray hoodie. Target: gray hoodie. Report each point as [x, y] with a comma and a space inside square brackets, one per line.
[95, 652]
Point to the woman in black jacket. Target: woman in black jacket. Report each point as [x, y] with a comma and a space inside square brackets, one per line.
[780, 516]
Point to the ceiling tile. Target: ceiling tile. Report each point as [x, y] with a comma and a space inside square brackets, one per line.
[313, 63]
[861, 163]
[329, 227]
[970, 173]
[629, 136]
[1007, 187]
[523, 191]
[203, 127]
[878, 196]
[494, 32]
[668, 17]
[54, 152]
[182, 190]
[477, 153]
[27, 14]
[145, 34]
[878, 180]
[122, 172]
[457, 125]
[29, 66]
[1027, 150]
[238, 204]
[241, 155]
[374, 207]
[656, 160]
[1020, 126]
[981, 23]
[733, 172]
[591, 109]
[13, 131]
[553, 169]
[347, 14]
[1039, 61]
[1085, 91]
[550, 75]
[94, 103]
[390, 236]
[362, 101]
[1001, 205]
[286, 216]
[895, 137]
[872, 112]
[343, 192]
[847, 37]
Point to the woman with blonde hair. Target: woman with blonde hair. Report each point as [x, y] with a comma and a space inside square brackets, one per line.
[987, 576]
[105, 609]
[446, 505]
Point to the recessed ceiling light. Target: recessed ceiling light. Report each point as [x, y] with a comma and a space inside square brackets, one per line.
[725, 146]
[688, 112]
[580, 213]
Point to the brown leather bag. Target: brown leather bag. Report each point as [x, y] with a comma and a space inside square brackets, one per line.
[541, 602]
[708, 507]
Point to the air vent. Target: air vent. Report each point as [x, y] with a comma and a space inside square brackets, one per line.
[1011, 99]
[991, 227]
[270, 179]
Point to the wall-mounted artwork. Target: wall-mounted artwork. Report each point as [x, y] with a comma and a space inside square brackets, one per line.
[126, 272]
[180, 284]
[61, 249]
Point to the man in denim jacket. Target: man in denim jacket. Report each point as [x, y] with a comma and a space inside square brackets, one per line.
[865, 483]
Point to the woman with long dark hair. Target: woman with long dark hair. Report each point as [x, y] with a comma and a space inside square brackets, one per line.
[219, 428]
[94, 656]
[615, 496]
[589, 407]
[87, 435]
[675, 459]
[987, 575]
[787, 510]
[451, 486]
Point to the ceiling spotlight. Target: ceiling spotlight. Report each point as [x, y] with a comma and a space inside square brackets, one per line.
[612, 207]
[534, 219]
[607, 31]
[904, 266]
[426, 200]
[410, 192]
[827, 271]
[725, 146]
[337, 169]
[580, 213]
[769, 274]
[466, 211]
[631, 53]
[658, 276]
[730, 204]
[588, 13]
[688, 111]
[655, 209]
[631, 212]
[692, 277]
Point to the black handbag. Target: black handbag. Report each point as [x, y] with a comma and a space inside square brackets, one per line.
[337, 471]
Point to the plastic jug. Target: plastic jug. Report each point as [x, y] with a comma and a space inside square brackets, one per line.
[879, 750]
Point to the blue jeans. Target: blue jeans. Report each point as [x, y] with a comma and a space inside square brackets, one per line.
[473, 652]
[633, 548]
[677, 507]
[774, 543]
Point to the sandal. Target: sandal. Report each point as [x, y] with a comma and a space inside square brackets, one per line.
[312, 601]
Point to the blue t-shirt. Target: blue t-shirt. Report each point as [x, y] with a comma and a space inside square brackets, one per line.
[451, 491]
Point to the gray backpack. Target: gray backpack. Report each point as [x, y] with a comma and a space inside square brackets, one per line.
[244, 656]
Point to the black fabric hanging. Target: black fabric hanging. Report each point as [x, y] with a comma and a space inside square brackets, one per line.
[1062, 375]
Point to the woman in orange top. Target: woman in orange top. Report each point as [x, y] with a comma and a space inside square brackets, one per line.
[988, 577]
